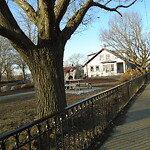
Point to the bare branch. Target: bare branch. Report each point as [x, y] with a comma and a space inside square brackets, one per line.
[60, 9]
[18, 39]
[112, 9]
[28, 9]
[9, 27]
[105, 7]
[123, 6]
[76, 19]
[108, 2]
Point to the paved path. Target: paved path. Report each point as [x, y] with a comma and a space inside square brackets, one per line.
[16, 97]
[134, 133]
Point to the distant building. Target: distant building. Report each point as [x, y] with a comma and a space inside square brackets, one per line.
[105, 63]
[73, 72]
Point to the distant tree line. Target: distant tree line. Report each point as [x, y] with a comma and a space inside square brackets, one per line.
[9, 61]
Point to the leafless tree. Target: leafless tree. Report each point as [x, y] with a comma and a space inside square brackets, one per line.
[9, 58]
[28, 27]
[76, 59]
[125, 35]
[21, 64]
[6, 59]
[45, 59]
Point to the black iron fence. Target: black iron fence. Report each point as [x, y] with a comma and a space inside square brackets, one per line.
[76, 126]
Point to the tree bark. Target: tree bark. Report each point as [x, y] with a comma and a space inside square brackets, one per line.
[47, 71]
[143, 70]
[0, 77]
[23, 72]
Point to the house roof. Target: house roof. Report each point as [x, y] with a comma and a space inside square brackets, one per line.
[110, 51]
[66, 69]
[91, 54]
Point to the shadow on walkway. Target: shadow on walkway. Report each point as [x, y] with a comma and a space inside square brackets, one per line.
[132, 128]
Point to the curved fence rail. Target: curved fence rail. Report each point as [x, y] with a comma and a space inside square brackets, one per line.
[76, 126]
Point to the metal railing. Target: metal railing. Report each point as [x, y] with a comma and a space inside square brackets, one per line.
[77, 125]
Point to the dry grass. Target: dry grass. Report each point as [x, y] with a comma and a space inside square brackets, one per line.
[15, 114]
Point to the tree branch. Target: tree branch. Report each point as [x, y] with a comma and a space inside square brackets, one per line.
[17, 38]
[10, 29]
[28, 9]
[60, 9]
[112, 9]
[46, 22]
[108, 2]
[75, 20]
[125, 6]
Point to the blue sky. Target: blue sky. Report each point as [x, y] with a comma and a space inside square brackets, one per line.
[88, 41]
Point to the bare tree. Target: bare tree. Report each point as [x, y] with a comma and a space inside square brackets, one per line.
[28, 27]
[125, 33]
[45, 59]
[2, 59]
[76, 59]
[6, 59]
[8, 71]
[21, 64]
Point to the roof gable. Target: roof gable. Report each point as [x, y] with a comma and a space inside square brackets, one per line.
[103, 49]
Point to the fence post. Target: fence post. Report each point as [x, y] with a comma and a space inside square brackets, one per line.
[93, 118]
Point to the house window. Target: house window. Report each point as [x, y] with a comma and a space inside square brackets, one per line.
[112, 67]
[107, 57]
[101, 57]
[104, 68]
[97, 68]
[92, 68]
[108, 68]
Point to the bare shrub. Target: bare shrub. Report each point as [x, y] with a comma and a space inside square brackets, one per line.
[130, 74]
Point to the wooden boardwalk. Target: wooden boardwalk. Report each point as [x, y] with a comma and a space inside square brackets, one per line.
[134, 132]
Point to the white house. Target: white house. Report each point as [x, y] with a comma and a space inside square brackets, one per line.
[105, 63]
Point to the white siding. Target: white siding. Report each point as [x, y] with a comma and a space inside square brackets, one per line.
[107, 64]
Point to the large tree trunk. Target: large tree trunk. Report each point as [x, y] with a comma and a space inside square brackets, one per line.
[47, 72]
